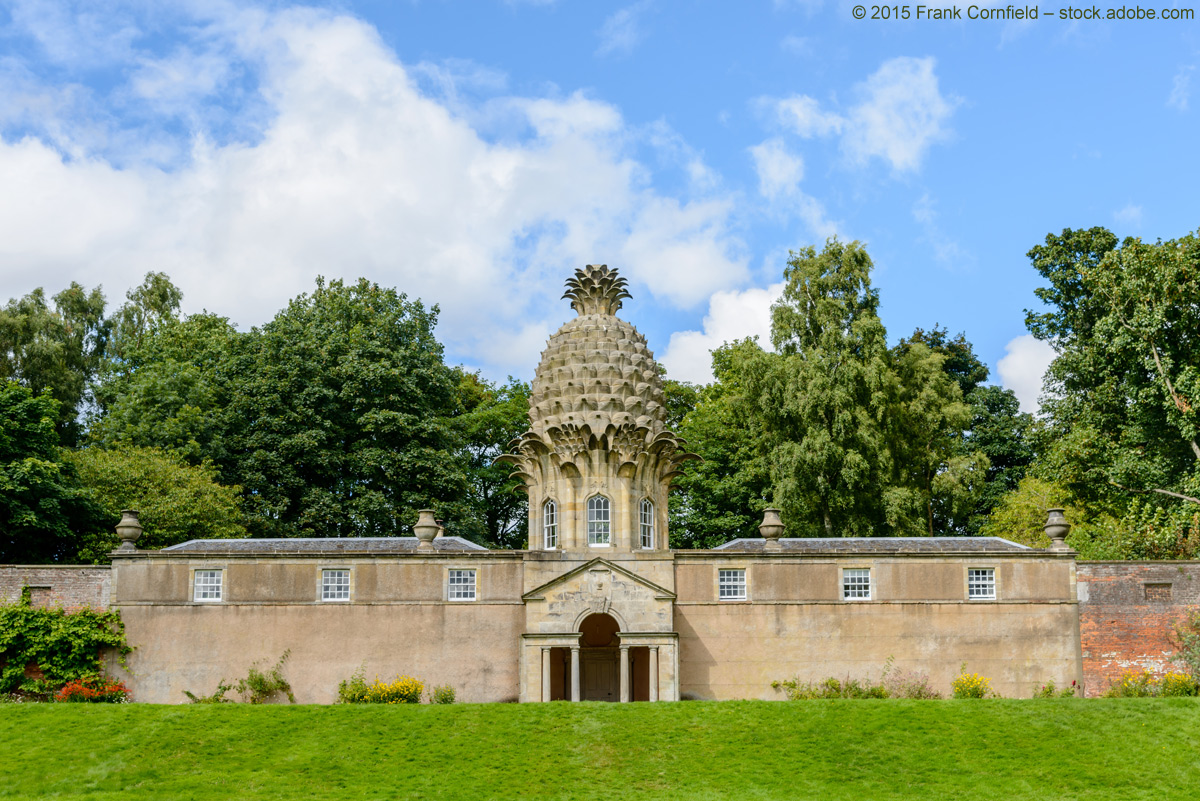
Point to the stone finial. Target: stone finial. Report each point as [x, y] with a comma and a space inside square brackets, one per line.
[771, 529]
[596, 290]
[425, 529]
[129, 529]
[1056, 529]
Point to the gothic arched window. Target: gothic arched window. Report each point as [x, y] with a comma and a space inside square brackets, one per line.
[646, 521]
[599, 517]
[550, 525]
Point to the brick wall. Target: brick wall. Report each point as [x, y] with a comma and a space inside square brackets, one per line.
[1127, 611]
[68, 586]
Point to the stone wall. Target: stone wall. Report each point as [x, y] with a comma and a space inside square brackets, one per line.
[57, 585]
[1127, 613]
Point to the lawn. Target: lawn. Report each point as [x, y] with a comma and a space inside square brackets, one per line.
[993, 749]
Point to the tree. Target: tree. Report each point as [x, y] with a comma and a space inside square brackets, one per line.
[722, 496]
[935, 476]
[176, 501]
[1122, 393]
[41, 503]
[1004, 434]
[172, 390]
[338, 416]
[59, 349]
[824, 397]
[490, 416]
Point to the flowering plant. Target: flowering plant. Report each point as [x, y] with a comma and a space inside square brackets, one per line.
[93, 690]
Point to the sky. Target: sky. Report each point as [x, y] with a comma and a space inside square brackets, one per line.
[474, 154]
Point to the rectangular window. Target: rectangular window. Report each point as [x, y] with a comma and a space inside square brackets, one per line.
[731, 585]
[335, 585]
[856, 584]
[207, 586]
[462, 585]
[981, 583]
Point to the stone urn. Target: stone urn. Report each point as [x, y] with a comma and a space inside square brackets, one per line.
[1056, 529]
[426, 529]
[129, 529]
[771, 529]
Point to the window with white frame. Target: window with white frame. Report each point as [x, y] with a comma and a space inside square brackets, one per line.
[462, 585]
[335, 585]
[646, 519]
[206, 586]
[550, 525]
[981, 583]
[599, 516]
[731, 584]
[856, 584]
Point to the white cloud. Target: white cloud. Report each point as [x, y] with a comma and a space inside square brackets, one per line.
[1181, 88]
[779, 175]
[1022, 367]
[622, 31]
[1130, 216]
[804, 117]
[356, 172]
[779, 172]
[945, 250]
[732, 315]
[900, 114]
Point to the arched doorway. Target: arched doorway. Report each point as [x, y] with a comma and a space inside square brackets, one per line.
[599, 665]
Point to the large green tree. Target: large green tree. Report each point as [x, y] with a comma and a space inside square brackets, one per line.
[1122, 393]
[176, 501]
[57, 348]
[721, 497]
[495, 509]
[42, 506]
[338, 416]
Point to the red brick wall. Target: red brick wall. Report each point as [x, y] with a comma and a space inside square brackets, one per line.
[1127, 611]
[67, 586]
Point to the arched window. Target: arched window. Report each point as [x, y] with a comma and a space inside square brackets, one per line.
[550, 525]
[599, 515]
[646, 519]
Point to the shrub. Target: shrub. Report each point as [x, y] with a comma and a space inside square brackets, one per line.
[1049, 690]
[217, 697]
[93, 690]
[442, 694]
[258, 687]
[1178, 685]
[901, 683]
[66, 645]
[1187, 632]
[971, 685]
[262, 687]
[404, 690]
[1133, 685]
[796, 690]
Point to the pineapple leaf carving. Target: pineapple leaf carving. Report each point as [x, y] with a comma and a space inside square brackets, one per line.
[596, 289]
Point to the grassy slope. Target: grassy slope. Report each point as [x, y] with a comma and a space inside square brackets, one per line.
[1110, 749]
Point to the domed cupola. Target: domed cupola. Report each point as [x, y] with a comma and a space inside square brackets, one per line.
[598, 459]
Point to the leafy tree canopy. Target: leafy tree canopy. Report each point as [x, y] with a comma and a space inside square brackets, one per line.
[176, 501]
[41, 503]
[1121, 396]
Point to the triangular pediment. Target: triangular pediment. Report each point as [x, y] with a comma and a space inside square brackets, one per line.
[579, 574]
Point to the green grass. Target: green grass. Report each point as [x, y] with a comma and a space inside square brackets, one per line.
[1062, 749]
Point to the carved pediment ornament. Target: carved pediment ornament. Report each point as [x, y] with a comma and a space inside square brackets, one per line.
[599, 590]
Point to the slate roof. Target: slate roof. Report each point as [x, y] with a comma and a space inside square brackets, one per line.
[881, 545]
[319, 545]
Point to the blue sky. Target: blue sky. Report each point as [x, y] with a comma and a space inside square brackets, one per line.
[474, 154]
